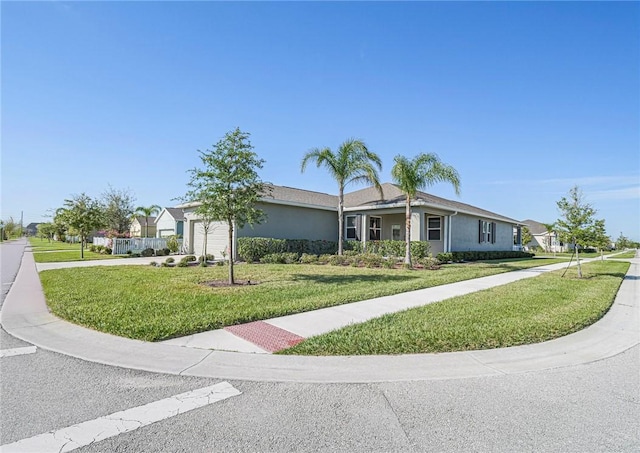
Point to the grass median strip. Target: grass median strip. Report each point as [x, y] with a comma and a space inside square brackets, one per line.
[154, 303]
[524, 312]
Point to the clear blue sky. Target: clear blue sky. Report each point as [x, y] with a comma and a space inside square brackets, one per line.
[524, 99]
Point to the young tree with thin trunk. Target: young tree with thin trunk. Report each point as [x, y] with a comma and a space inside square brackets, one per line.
[146, 212]
[228, 187]
[597, 237]
[352, 162]
[575, 221]
[527, 237]
[83, 215]
[416, 174]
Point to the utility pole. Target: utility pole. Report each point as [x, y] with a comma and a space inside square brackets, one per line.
[21, 217]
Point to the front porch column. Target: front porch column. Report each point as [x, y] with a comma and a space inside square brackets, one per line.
[418, 228]
[364, 233]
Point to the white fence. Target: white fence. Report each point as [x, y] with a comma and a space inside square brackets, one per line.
[121, 246]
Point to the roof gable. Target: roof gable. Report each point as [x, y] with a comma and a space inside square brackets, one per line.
[535, 227]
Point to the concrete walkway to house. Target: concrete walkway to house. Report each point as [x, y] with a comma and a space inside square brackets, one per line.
[242, 352]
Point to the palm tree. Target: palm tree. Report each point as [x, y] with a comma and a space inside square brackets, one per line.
[146, 212]
[550, 230]
[353, 162]
[416, 174]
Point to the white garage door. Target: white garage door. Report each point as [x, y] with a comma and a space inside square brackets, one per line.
[216, 239]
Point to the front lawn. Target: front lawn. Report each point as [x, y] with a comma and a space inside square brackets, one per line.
[55, 252]
[524, 312]
[155, 303]
[625, 255]
[70, 255]
[44, 245]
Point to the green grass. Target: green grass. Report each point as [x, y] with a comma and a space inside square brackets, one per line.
[70, 255]
[151, 303]
[55, 252]
[43, 245]
[524, 312]
[625, 255]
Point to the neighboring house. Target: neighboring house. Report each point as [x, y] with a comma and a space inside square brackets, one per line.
[301, 214]
[139, 229]
[31, 229]
[542, 238]
[170, 222]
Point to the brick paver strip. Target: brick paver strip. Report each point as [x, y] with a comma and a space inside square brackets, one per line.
[268, 337]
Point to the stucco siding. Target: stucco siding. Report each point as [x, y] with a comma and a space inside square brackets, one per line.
[292, 222]
[464, 235]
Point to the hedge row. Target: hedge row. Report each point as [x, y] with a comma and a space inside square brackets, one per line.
[254, 249]
[419, 249]
[478, 256]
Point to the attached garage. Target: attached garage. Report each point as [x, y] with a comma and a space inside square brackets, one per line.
[217, 238]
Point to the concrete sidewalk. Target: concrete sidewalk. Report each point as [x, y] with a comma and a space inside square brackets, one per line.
[25, 315]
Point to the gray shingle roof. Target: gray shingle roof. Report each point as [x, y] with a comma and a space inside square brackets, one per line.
[393, 194]
[301, 196]
[176, 213]
[535, 227]
[370, 197]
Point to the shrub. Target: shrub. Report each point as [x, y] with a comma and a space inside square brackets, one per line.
[337, 260]
[208, 257]
[444, 257]
[187, 259]
[129, 252]
[153, 263]
[160, 252]
[182, 263]
[280, 258]
[107, 251]
[253, 249]
[489, 255]
[429, 262]
[307, 258]
[324, 258]
[164, 264]
[203, 263]
[92, 248]
[166, 251]
[172, 244]
[147, 252]
[371, 260]
[389, 263]
[169, 260]
[135, 255]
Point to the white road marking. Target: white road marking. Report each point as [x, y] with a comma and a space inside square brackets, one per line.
[17, 351]
[92, 431]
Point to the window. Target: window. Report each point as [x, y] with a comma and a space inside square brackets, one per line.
[434, 228]
[486, 231]
[375, 228]
[395, 232]
[352, 228]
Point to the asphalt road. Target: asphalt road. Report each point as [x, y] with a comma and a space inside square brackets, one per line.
[587, 408]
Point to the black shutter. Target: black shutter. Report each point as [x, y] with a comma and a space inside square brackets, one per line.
[480, 231]
[493, 232]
